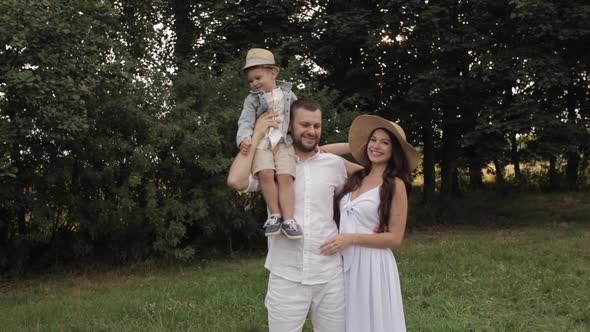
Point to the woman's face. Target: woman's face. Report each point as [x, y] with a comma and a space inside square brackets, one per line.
[379, 148]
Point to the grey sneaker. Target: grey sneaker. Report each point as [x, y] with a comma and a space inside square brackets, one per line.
[292, 230]
[272, 226]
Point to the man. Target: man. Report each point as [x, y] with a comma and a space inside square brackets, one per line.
[301, 279]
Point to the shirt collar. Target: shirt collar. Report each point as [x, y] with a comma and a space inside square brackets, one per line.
[314, 156]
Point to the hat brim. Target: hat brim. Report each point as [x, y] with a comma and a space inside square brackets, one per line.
[358, 136]
[258, 62]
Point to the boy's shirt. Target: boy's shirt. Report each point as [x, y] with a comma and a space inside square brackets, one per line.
[255, 104]
[274, 99]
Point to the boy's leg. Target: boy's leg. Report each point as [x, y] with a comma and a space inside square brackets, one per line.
[285, 166]
[269, 189]
[274, 223]
[263, 167]
[286, 195]
[290, 227]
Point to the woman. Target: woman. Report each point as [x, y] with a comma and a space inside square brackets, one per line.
[373, 209]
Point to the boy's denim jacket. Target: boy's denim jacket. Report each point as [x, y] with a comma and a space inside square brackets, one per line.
[255, 104]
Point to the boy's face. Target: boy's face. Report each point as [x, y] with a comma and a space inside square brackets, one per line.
[262, 78]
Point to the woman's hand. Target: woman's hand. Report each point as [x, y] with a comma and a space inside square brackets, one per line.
[336, 244]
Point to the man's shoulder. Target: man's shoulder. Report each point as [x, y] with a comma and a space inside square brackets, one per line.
[330, 159]
[330, 168]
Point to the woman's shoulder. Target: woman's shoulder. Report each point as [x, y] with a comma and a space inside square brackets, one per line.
[399, 186]
[396, 183]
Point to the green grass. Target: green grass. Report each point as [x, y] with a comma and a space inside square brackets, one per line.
[534, 277]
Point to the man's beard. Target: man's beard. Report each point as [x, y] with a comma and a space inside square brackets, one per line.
[298, 143]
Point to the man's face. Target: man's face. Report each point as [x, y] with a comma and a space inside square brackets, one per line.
[306, 129]
[262, 78]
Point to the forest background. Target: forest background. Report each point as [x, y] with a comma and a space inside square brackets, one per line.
[118, 118]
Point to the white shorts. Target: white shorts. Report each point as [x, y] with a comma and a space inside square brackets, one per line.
[289, 302]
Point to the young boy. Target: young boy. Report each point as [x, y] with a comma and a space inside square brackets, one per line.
[275, 153]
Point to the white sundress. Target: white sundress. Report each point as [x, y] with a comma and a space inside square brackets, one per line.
[371, 280]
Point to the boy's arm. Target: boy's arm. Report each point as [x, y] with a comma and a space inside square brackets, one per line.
[240, 170]
[247, 120]
[338, 149]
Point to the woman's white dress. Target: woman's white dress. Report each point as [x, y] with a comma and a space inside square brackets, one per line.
[372, 287]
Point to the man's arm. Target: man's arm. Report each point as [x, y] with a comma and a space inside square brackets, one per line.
[351, 167]
[240, 169]
[338, 149]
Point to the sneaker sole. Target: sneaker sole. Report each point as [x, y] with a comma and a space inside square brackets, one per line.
[291, 237]
[273, 233]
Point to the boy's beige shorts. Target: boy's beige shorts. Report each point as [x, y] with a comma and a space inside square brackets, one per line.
[281, 159]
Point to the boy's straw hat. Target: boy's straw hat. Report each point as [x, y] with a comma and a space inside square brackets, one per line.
[364, 125]
[259, 57]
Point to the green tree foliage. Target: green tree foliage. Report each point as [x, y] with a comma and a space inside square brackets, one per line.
[117, 118]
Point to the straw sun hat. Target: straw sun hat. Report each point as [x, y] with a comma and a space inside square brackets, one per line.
[259, 57]
[364, 125]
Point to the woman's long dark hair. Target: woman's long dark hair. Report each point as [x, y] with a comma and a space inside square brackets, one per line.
[397, 167]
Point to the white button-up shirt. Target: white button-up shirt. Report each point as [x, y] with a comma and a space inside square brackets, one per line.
[318, 179]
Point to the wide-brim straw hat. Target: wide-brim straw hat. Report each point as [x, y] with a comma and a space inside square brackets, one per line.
[364, 125]
[259, 57]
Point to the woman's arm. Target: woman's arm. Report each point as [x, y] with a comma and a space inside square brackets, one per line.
[392, 238]
[240, 169]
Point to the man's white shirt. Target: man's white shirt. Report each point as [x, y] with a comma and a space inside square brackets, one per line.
[318, 179]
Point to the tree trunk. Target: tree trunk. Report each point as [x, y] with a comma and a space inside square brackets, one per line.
[3, 236]
[573, 156]
[515, 156]
[452, 123]
[456, 185]
[571, 170]
[449, 161]
[553, 177]
[133, 27]
[185, 32]
[584, 159]
[448, 167]
[475, 177]
[500, 180]
[428, 163]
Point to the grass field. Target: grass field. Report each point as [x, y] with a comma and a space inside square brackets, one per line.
[534, 276]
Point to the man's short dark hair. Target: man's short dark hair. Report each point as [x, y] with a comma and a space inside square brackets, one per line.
[305, 103]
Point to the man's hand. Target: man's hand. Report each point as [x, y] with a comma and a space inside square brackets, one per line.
[265, 121]
[245, 146]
